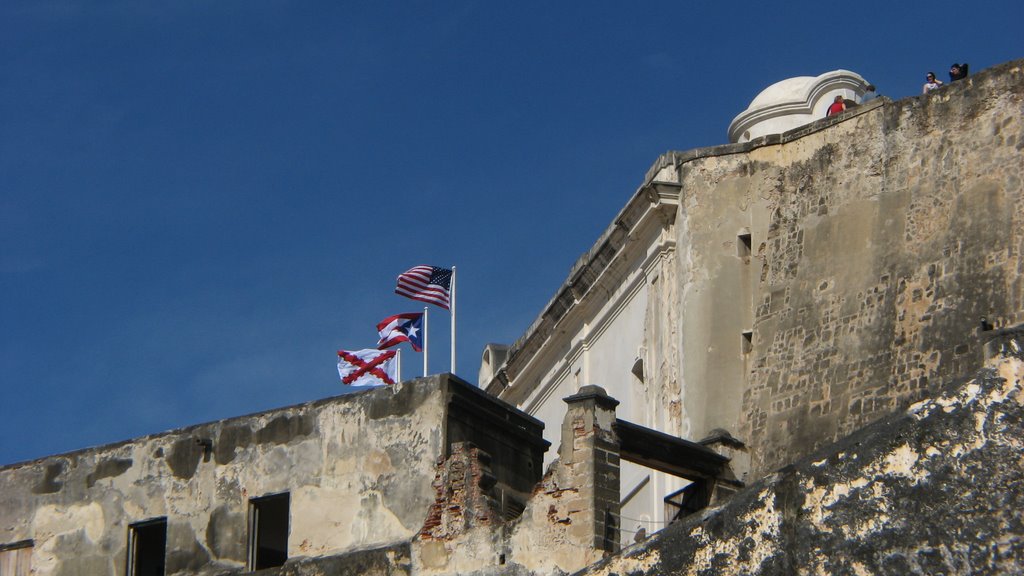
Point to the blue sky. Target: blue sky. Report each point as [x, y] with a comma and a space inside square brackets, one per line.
[200, 202]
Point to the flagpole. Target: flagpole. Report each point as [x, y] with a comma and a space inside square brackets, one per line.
[398, 376]
[453, 320]
[426, 338]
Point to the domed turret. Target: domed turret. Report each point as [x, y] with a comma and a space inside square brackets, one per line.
[794, 102]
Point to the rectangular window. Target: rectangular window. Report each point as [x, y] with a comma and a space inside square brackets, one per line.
[743, 245]
[690, 499]
[147, 547]
[268, 531]
[16, 559]
[747, 342]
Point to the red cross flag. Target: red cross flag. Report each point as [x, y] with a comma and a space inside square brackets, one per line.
[367, 367]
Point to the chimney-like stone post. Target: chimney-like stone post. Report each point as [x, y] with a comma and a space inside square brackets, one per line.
[590, 454]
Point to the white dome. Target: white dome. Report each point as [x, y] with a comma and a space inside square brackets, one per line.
[794, 102]
[788, 90]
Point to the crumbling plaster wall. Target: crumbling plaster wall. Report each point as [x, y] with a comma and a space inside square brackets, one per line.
[358, 469]
[877, 242]
[570, 520]
[933, 490]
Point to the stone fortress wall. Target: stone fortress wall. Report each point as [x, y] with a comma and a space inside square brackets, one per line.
[792, 289]
[876, 243]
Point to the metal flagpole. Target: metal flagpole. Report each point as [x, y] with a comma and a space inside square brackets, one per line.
[398, 371]
[426, 339]
[453, 318]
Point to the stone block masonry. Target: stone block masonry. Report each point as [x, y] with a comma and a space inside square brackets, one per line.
[878, 243]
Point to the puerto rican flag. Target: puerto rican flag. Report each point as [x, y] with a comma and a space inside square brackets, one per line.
[407, 327]
[367, 367]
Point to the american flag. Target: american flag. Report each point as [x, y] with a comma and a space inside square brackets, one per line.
[428, 284]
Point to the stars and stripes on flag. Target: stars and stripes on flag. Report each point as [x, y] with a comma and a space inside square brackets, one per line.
[367, 367]
[406, 327]
[428, 284]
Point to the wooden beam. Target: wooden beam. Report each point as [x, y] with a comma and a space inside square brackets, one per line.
[666, 453]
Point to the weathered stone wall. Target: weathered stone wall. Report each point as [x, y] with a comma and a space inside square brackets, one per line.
[933, 490]
[803, 285]
[573, 517]
[358, 470]
[570, 519]
[879, 239]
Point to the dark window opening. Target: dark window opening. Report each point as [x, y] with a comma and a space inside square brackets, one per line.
[743, 245]
[511, 507]
[747, 342]
[690, 499]
[638, 369]
[268, 531]
[147, 548]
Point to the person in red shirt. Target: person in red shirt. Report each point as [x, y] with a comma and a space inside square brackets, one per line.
[837, 106]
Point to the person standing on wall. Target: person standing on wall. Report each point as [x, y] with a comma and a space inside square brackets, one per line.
[931, 83]
[957, 72]
[869, 94]
[837, 106]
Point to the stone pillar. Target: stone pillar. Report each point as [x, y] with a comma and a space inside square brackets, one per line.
[590, 455]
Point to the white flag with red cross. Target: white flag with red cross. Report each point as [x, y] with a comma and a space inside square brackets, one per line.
[367, 367]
